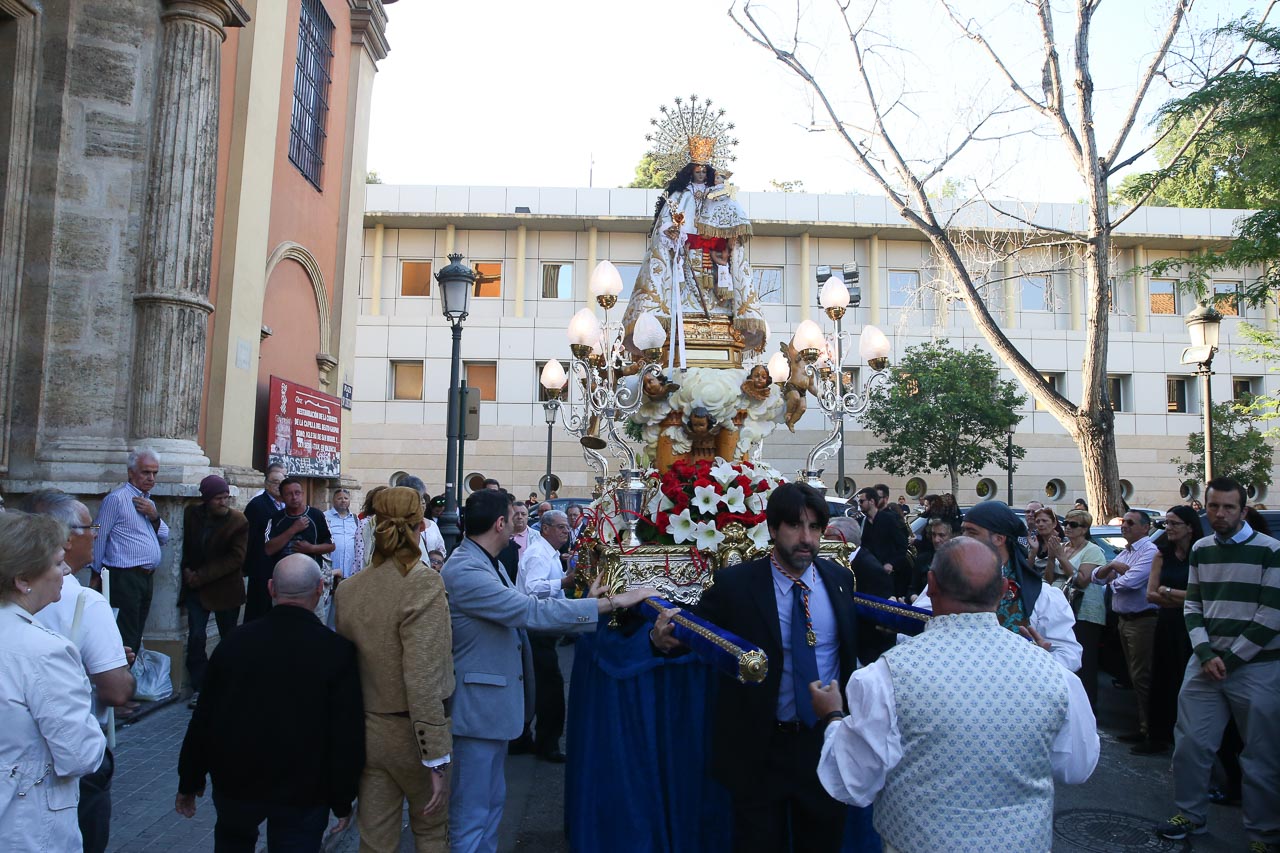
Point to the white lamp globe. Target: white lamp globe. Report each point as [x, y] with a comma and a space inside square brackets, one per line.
[834, 294]
[648, 332]
[605, 280]
[553, 376]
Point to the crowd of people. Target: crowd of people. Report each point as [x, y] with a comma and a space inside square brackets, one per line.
[373, 665]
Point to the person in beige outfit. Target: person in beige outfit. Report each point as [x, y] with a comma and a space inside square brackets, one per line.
[396, 613]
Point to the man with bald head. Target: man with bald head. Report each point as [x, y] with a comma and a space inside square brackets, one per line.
[280, 723]
[959, 769]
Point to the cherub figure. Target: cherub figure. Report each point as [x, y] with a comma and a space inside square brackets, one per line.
[658, 387]
[798, 383]
[756, 385]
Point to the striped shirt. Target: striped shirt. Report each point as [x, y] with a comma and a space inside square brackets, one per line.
[126, 538]
[1233, 598]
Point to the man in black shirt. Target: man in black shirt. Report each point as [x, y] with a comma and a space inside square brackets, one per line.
[257, 566]
[298, 528]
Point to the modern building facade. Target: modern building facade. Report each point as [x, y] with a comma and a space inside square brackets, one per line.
[175, 181]
[534, 249]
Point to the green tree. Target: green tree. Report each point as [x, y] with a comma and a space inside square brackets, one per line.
[372, 177]
[786, 186]
[1239, 450]
[649, 176]
[1232, 162]
[1264, 347]
[943, 409]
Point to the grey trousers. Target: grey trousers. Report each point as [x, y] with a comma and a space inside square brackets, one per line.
[1252, 695]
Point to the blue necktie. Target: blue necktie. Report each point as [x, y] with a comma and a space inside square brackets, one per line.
[804, 659]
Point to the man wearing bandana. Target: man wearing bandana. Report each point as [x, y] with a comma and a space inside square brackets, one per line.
[1030, 607]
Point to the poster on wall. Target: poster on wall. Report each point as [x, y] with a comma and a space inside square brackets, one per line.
[304, 430]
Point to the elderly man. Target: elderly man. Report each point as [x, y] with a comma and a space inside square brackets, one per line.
[214, 540]
[280, 726]
[927, 757]
[342, 529]
[1127, 575]
[257, 567]
[1030, 606]
[542, 575]
[1233, 616]
[84, 617]
[489, 617]
[130, 535]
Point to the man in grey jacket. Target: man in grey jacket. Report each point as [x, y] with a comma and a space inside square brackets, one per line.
[490, 654]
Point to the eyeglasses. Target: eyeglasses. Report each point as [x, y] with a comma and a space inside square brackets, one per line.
[1074, 524]
[94, 527]
[1172, 523]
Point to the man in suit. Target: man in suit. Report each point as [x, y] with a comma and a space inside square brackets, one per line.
[257, 566]
[885, 535]
[870, 577]
[280, 724]
[491, 659]
[766, 741]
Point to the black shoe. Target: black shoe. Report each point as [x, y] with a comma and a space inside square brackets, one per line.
[1149, 747]
[519, 746]
[553, 756]
[195, 700]
[1219, 797]
[1132, 737]
[1179, 827]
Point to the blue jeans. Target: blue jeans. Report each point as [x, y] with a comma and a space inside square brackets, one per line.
[290, 829]
[198, 635]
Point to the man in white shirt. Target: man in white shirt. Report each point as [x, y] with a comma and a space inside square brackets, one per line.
[1030, 606]
[84, 617]
[959, 769]
[541, 575]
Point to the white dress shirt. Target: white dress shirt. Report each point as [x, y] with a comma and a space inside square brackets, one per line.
[431, 540]
[1052, 618]
[541, 571]
[859, 751]
[97, 638]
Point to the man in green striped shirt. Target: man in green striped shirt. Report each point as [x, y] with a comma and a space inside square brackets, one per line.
[1233, 617]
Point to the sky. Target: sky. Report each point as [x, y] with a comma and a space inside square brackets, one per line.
[560, 92]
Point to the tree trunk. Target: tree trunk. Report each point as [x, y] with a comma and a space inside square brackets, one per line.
[955, 479]
[1097, 443]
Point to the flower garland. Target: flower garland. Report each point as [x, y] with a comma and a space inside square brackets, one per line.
[694, 501]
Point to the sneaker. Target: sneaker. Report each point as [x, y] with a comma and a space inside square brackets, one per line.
[1179, 827]
[195, 700]
[1263, 847]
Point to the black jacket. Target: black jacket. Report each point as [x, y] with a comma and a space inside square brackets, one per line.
[743, 602]
[259, 512]
[886, 536]
[281, 716]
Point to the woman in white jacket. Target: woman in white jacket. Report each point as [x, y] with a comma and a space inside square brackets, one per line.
[48, 735]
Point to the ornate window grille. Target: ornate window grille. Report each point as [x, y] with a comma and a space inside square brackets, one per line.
[311, 90]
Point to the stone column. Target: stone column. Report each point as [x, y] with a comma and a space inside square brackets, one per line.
[171, 305]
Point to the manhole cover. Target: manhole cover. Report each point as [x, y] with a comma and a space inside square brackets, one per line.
[1108, 832]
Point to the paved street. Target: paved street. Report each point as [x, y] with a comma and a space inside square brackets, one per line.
[1111, 813]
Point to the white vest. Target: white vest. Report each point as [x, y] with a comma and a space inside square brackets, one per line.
[978, 708]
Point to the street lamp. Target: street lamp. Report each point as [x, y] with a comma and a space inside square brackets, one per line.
[456, 282]
[1203, 325]
[1008, 449]
[553, 380]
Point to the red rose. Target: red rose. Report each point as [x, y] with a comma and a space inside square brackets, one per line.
[744, 482]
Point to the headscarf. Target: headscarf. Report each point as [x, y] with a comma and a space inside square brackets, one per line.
[998, 518]
[397, 514]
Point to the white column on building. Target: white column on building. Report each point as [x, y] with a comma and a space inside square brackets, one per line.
[593, 255]
[521, 259]
[1076, 286]
[171, 305]
[375, 293]
[1010, 295]
[806, 281]
[1141, 302]
[450, 237]
[873, 273]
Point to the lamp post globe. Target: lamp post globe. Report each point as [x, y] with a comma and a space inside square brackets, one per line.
[456, 283]
[1204, 323]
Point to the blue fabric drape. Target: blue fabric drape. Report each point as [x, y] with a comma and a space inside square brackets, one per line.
[637, 737]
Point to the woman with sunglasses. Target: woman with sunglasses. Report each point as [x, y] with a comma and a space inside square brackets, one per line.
[1089, 598]
[1167, 587]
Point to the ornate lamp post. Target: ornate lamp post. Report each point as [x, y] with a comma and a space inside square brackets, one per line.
[456, 282]
[1008, 449]
[1203, 326]
[553, 379]
[824, 363]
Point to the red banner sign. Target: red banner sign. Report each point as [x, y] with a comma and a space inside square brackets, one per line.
[304, 430]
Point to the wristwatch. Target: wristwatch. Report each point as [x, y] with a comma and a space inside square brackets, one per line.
[441, 768]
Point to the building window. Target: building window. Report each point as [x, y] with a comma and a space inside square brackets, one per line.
[1116, 391]
[406, 380]
[629, 273]
[1226, 295]
[557, 280]
[1057, 381]
[488, 279]
[1244, 388]
[1163, 296]
[767, 283]
[482, 375]
[311, 91]
[1035, 293]
[904, 288]
[1176, 394]
[415, 278]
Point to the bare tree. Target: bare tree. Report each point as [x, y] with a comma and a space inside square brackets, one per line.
[1059, 103]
